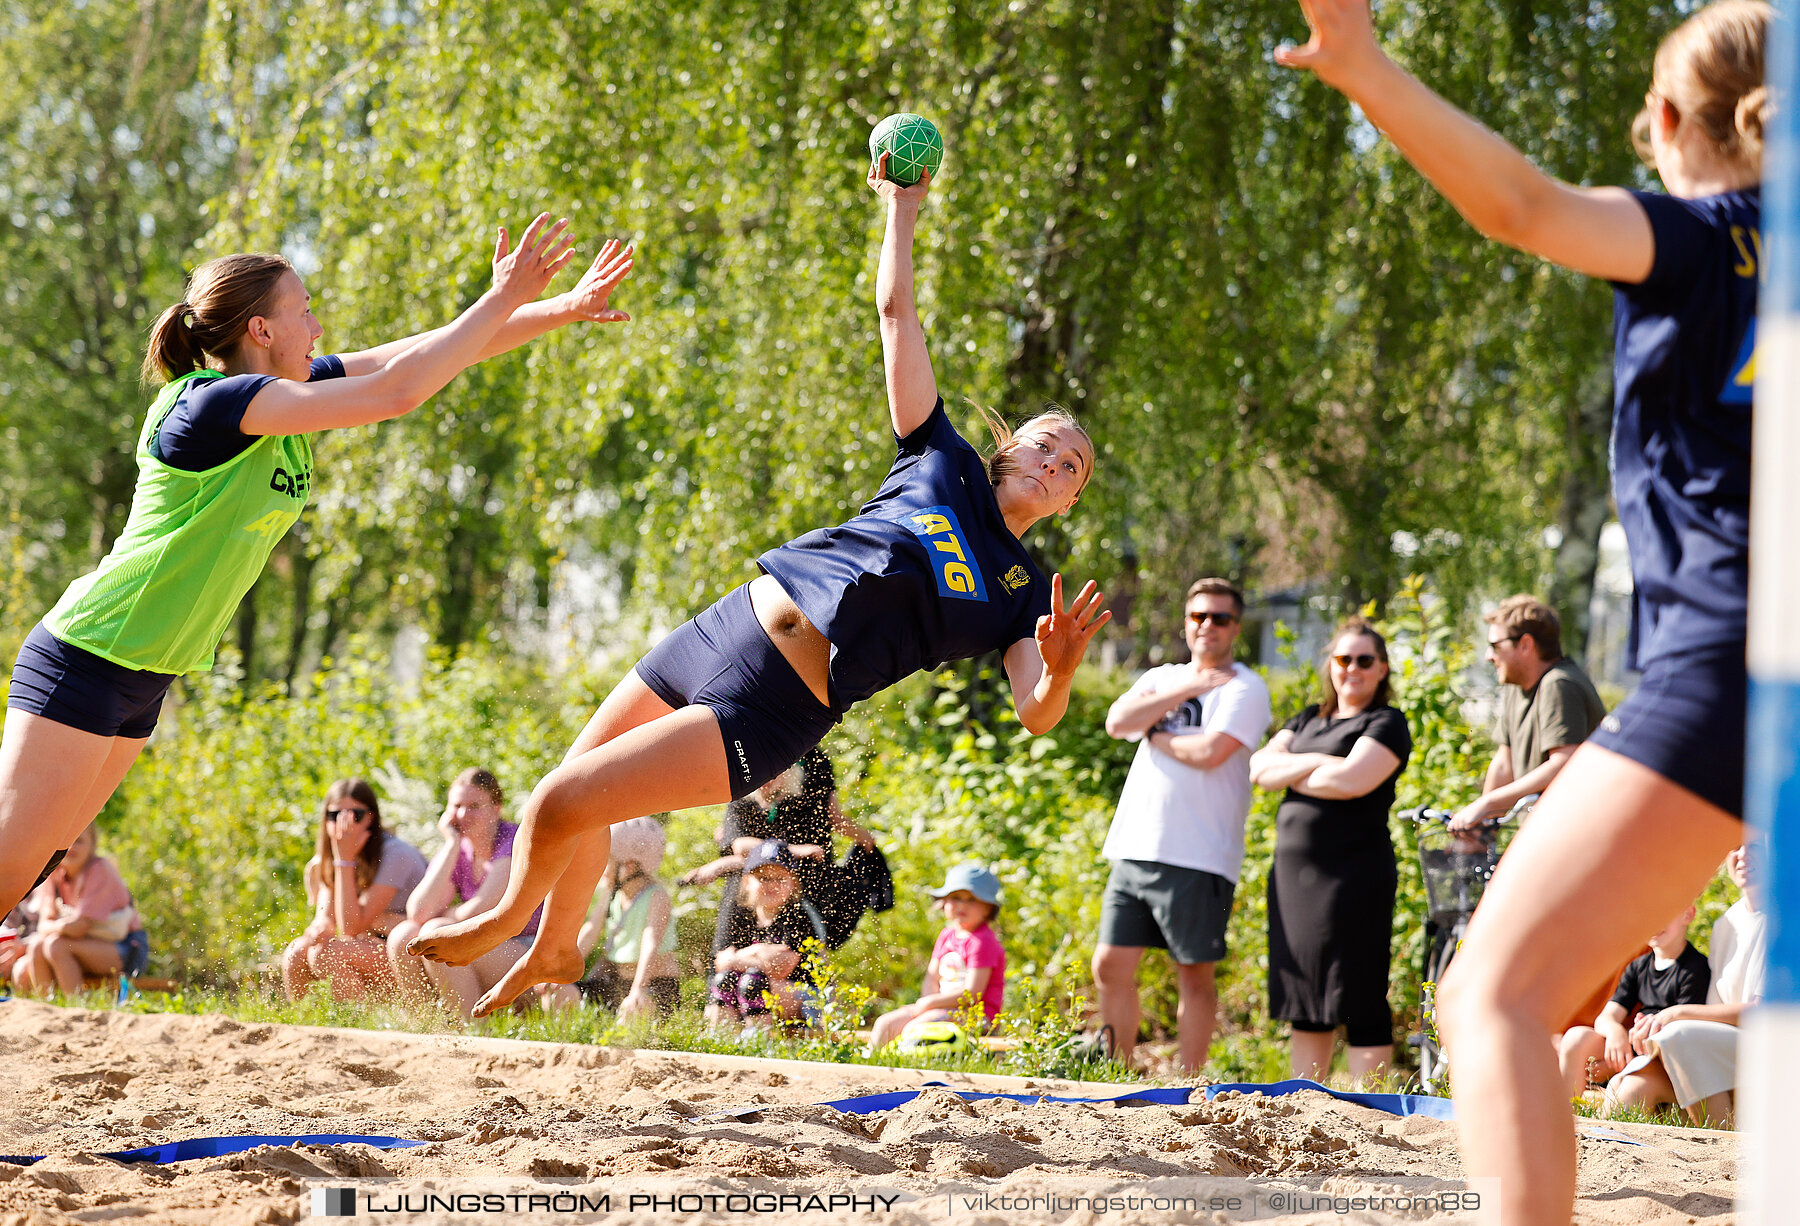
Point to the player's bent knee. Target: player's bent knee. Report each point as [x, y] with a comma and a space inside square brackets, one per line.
[557, 804]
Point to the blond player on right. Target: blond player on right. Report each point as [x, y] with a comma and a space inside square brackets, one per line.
[1631, 829]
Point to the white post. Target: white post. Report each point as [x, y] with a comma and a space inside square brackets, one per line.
[1769, 1057]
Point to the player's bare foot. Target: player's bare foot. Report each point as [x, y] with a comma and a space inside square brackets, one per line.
[461, 943]
[539, 965]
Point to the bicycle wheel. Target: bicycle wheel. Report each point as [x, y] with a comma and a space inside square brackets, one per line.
[1432, 1062]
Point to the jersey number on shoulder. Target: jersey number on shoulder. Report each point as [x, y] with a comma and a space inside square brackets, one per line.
[957, 574]
[1743, 371]
[272, 524]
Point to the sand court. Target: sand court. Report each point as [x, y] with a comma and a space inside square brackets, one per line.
[511, 1117]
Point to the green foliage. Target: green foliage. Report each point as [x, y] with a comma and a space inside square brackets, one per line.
[218, 818]
[1314, 359]
[214, 825]
[216, 821]
[108, 158]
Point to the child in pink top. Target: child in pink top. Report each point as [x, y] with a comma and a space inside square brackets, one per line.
[968, 963]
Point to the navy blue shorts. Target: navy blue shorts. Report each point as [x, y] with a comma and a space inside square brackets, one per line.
[72, 686]
[134, 953]
[723, 660]
[1686, 721]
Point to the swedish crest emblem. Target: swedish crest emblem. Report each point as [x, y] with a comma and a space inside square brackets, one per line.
[1015, 579]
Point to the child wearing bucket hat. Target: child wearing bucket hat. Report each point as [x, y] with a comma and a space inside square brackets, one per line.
[968, 963]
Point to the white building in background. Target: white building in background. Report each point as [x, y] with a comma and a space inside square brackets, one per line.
[1609, 612]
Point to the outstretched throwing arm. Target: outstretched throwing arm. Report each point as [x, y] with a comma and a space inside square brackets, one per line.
[911, 384]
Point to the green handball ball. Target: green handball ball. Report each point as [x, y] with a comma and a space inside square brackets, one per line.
[912, 144]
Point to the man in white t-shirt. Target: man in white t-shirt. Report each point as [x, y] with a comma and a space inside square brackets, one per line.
[1177, 837]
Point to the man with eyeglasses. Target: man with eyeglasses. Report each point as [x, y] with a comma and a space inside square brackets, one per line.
[1547, 707]
[1177, 838]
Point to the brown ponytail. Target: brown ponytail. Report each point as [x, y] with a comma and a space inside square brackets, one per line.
[222, 297]
[1752, 110]
[1711, 70]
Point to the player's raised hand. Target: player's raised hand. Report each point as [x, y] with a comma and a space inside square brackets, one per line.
[521, 275]
[611, 266]
[890, 191]
[1063, 634]
[1342, 42]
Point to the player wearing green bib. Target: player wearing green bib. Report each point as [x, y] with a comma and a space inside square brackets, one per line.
[225, 465]
[194, 544]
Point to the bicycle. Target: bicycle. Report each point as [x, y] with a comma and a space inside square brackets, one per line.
[1456, 866]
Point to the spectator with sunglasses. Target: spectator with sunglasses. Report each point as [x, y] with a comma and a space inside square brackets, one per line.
[464, 878]
[1177, 837]
[358, 881]
[1547, 707]
[1331, 887]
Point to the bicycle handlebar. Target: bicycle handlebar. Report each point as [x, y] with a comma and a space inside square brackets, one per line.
[1426, 815]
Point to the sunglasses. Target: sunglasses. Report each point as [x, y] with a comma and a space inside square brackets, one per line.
[1364, 661]
[1218, 619]
[337, 813]
[1511, 638]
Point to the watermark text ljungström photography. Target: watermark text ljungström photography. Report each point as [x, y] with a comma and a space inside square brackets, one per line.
[1018, 1200]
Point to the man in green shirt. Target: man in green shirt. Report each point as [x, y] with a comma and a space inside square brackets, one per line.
[1547, 707]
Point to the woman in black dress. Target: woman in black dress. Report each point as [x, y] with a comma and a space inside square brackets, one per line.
[1331, 893]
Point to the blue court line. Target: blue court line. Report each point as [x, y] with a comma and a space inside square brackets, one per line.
[218, 1147]
[1171, 1096]
[1167, 1096]
[1393, 1104]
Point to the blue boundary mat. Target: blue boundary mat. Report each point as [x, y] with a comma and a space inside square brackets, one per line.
[1393, 1104]
[1166, 1096]
[218, 1147]
[1172, 1096]
[1176, 1096]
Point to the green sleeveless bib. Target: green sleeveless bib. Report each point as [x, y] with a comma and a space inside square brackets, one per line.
[192, 547]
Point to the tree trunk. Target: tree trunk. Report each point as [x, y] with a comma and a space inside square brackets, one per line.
[1586, 505]
[246, 639]
[304, 563]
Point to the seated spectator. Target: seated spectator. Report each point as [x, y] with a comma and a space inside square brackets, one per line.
[763, 974]
[359, 881]
[799, 807]
[968, 964]
[1690, 1051]
[14, 930]
[466, 877]
[1672, 973]
[633, 922]
[87, 925]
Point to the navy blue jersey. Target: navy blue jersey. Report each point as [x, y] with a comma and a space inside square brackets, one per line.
[926, 573]
[205, 427]
[1683, 364]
